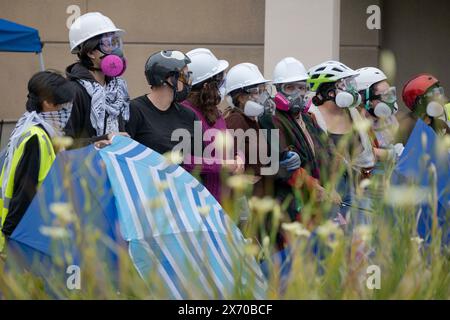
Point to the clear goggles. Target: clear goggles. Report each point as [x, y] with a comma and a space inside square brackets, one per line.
[388, 96]
[295, 88]
[259, 89]
[435, 93]
[347, 84]
[110, 43]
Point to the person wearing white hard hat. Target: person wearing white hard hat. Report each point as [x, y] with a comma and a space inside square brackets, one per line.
[299, 137]
[248, 96]
[101, 104]
[208, 79]
[379, 105]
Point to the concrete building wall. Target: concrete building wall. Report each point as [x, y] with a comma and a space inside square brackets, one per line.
[306, 30]
[258, 31]
[418, 33]
[359, 46]
[232, 29]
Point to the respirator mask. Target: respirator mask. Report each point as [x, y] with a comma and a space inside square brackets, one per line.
[387, 105]
[260, 101]
[113, 62]
[347, 95]
[291, 97]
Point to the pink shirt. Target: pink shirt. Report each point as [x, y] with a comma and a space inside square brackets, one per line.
[210, 173]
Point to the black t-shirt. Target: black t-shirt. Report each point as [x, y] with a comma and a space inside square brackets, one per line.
[154, 128]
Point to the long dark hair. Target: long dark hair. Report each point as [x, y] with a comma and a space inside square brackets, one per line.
[50, 86]
[206, 97]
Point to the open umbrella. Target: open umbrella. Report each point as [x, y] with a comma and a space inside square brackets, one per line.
[173, 227]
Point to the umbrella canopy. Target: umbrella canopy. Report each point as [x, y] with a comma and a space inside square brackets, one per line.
[15, 37]
[173, 227]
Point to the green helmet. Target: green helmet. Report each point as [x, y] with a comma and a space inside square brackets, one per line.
[330, 71]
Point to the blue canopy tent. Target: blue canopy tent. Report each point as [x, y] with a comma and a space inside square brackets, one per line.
[15, 37]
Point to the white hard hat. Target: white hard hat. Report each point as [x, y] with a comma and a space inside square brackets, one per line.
[289, 70]
[329, 71]
[368, 76]
[204, 65]
[88, 26]
[243, 75]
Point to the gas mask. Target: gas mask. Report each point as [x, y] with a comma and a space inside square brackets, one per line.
[435, 101]
[113, 63]
[253, 109]
[387, 105]
[346, 94]
[260, 102]
[293, 104]
[291, 97]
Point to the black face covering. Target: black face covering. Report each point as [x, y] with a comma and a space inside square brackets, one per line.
[179, 96]
[182, 95]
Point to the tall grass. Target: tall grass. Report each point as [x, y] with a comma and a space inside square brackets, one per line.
[338, 268]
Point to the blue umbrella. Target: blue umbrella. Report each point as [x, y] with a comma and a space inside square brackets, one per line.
[173, 227]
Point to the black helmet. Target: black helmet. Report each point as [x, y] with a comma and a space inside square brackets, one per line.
[161, 65]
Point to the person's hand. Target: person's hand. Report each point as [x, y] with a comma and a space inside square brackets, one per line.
[323, 195]
[102, 143]
[112, 134]
[240, 165]
[398, 149]
[291, 162]
[236, 166]
[335, 197]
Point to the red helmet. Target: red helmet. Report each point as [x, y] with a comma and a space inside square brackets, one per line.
[417, 87]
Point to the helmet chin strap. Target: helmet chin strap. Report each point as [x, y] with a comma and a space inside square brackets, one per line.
[174, 87]
[367, 104]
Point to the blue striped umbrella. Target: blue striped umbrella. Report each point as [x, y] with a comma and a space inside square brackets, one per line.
[179, 239]
[176, 229]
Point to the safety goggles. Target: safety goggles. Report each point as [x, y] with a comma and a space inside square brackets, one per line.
[388, 96]
[259, 89]
[436, 92]
[347, 84]
[295, 88]
[110, 43]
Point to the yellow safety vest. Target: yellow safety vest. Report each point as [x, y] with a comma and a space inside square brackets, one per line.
[447, 110]
[47, 156]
